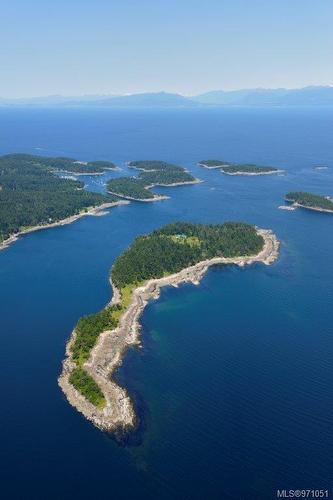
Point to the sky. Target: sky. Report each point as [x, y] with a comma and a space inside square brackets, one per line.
[76, 47]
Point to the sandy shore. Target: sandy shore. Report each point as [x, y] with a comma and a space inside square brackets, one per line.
[118, 416]
[96, 211]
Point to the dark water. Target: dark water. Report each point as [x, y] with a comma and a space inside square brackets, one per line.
[234, 382]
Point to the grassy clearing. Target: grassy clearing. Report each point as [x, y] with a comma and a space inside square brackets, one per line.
[192, 241]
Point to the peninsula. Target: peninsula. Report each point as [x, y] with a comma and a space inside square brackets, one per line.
[70, 166]
[132, 188]
[32, 197]
[310, 201]
[175, 254]
[152, 173]
[247, 169]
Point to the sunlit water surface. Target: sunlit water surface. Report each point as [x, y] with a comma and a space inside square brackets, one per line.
[234, 380]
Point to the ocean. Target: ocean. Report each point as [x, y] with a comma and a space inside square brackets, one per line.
[233, 383]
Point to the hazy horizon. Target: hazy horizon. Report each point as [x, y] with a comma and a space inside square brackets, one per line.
[103, 48]
[162, 91]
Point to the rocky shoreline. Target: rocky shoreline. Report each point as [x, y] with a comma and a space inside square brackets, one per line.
[240, 172]
[68, 220]
[156, 197]
[106, 169]
[295, 205]
[289, 208]
[118, 416]
[316, 209]
[174, 184]
[212, 167]
[251, 174]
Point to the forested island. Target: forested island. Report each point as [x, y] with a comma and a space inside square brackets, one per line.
[249, 169]
[239, 169]
[131, 188]
[32, 197]
[152, 173]
[174, 254]
[90, 167]
[64, 164]
[310, 201]
[71, 166]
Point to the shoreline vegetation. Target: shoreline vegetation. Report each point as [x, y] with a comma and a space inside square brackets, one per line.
[175, 254]
[247, 169]
[75, 167]
[93, 211]
[309, 201]
[156, 197]
[33, 197]
[152, 173]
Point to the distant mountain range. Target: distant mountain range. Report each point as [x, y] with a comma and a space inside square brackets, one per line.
[159, 99]
[307, 96]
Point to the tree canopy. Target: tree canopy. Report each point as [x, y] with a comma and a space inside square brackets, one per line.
[30, 194]
[171, 249]
[234, 168]
[165, 251]
[152, 173]
[310, 200]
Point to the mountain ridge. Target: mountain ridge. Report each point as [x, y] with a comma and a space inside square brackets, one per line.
[306, 96]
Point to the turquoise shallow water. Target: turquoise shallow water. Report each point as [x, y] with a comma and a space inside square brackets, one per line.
[233, 383]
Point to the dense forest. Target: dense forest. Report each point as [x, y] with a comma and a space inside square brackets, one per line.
[310, 200]
[153, 165]
[152, 173]
[76, 167]
[180, 245]
[100, 165]
[165, 177]
[165, 251]
[30, 195]
[62, 164]
[234, 168]
[131, 187]
[248, 168]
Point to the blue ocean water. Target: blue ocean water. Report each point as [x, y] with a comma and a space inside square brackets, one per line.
[234, 380]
